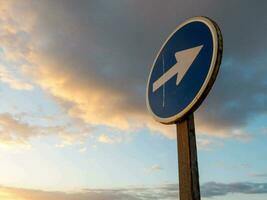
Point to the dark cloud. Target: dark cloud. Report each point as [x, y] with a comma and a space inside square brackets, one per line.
[238, 96]
[212, 189]
[109, 47]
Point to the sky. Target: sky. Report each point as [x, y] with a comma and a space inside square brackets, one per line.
[73, 119]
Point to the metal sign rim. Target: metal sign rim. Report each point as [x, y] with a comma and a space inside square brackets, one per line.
[213, 69]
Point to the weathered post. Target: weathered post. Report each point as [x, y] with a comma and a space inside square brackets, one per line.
[187, 156]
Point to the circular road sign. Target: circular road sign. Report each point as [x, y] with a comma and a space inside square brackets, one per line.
[184, 70]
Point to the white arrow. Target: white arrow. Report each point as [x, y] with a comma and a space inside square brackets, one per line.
[184, 60]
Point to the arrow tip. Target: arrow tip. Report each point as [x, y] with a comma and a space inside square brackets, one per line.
[187, 57]
[188, 53]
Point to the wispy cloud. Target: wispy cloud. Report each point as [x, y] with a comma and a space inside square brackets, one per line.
[154, 168]
[15, 131]
[105, 139]
[13, 82]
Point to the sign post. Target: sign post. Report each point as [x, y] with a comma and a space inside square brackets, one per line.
[187, 156]
[181, 77]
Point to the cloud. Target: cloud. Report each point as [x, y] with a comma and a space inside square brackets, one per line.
[154, 168]
[235, 100]
[139, 193]
[83, 150]
[113, 139]
[105, 139]
[13, 82]
[212, 189]
[163, 192]
[15, 131]
[26, 194]
[14, 47]
[259, 175]
[94, 57]
[203, 143]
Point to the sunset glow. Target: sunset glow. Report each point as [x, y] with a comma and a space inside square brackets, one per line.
[73, 119]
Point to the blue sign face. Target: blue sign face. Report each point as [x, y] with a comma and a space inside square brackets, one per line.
[184, 70]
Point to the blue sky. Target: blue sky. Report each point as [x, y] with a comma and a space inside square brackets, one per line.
[73, 119]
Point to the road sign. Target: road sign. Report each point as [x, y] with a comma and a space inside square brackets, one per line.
[184, 70]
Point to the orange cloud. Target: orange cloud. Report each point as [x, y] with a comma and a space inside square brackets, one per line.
[58, 56]
[14, 45]
[95, 105]
[12, 131]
